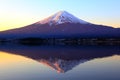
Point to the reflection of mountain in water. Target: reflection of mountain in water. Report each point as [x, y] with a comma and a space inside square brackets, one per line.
[60, 65]
[62, 58]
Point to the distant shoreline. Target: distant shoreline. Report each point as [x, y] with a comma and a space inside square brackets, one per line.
[63, 41]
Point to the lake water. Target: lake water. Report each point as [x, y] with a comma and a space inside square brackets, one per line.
[18, 62]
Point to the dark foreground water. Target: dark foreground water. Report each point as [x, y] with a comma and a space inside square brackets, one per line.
[19, 62]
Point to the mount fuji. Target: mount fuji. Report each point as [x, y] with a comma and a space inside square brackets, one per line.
[62, 25]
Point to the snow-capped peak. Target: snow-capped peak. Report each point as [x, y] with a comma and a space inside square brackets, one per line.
[62, 17]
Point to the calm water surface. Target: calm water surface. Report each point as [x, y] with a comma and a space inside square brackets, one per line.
[59, 62]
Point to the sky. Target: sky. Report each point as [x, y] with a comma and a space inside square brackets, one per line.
[19, 13]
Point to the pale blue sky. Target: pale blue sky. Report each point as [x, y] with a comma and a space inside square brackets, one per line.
[27, 11]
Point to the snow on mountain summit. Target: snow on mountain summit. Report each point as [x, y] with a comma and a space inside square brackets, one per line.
[62, 17]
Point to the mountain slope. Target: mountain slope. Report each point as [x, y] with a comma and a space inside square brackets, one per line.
[62, 25]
